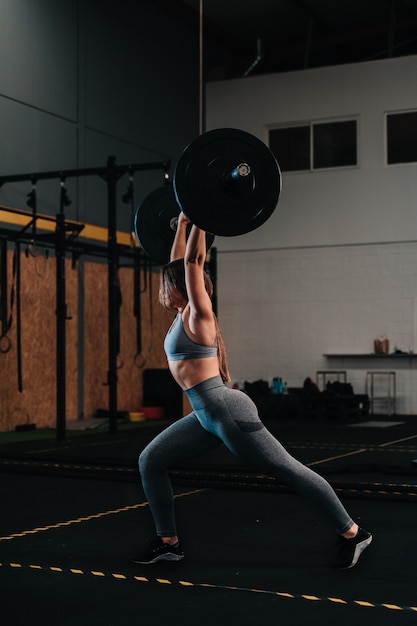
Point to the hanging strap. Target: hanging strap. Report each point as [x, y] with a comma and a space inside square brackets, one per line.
[149, 262]
[118, 292]
[139, 359]
[16, 265]
[6, 314]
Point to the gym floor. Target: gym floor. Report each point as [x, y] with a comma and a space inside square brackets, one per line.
[74, 513]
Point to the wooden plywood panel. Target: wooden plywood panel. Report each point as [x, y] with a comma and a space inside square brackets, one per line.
[154, 325]
[95, 337]
[36, 403]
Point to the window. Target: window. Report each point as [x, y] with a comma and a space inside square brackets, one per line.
[334, 144]
[401, 137]
[291, 147]
[315, 146]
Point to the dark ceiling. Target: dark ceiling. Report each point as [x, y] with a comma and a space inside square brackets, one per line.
[248, 37]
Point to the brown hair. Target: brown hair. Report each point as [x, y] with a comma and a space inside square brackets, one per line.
[173, 277]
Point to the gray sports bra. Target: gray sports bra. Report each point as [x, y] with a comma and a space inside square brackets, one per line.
[179, 347]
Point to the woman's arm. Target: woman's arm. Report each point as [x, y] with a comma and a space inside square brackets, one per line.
[201, 320]
[195, 252]
[180, 240]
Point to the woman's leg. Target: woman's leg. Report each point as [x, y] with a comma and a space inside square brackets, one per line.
[233, 417]
[182, 441]
[268, 453]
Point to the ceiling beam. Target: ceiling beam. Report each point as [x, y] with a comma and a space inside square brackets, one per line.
[339, 40]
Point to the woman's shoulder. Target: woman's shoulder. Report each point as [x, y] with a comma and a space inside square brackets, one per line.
[200, 327]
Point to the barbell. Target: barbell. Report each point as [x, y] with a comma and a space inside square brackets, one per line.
[226, 181]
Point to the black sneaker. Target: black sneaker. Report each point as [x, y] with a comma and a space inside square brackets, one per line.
[160, 551]
[351, 549]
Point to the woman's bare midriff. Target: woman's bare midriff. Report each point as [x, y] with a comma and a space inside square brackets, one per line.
[191, 372]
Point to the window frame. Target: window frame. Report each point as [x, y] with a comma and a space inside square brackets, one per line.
[311, 124]
[386, 138]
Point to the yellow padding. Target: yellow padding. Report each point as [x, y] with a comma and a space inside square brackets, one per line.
[137, 417]
[45, 222]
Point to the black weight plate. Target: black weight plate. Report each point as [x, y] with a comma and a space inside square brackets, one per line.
[152, 224]
[213, 202]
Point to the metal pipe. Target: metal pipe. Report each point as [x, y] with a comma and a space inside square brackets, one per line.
[258, 59]
[201, 74]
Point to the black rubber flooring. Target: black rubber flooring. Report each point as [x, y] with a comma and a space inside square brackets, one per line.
[73, 514]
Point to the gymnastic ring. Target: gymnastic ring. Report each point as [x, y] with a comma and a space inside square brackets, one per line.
[139, 360]
[5, 344]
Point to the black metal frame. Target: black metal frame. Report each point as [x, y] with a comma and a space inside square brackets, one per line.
[63, 240]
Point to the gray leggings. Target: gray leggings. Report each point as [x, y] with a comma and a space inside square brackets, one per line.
[223, 415]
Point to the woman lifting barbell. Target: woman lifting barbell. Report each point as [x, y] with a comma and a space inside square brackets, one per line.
[197, 360]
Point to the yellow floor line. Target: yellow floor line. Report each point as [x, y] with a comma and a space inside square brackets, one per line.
[390, 443]
[338, 456]
[89, 518]
[360, 450]
[366, 604]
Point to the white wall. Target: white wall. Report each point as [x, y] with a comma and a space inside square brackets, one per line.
[356, 205]
[336, 264]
